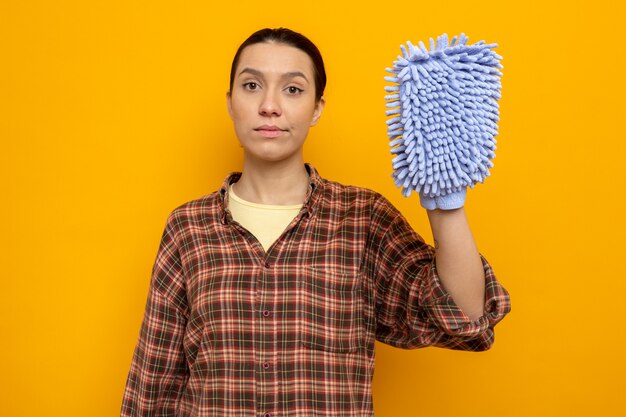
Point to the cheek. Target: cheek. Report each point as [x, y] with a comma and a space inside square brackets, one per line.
[240, 115]
[240, 107]
[303, 115]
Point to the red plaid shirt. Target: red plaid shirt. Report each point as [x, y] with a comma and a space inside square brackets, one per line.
[230, 330]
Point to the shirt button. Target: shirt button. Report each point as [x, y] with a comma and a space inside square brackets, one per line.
[266, 365]
[267, 264]
[266, 313]
[267, 415]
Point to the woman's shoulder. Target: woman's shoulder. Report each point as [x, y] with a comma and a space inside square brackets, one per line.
[337, 188]
[336, 191]
[201, 209]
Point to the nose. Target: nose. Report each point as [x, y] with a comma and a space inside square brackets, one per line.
[270, 105]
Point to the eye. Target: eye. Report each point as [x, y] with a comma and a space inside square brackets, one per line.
[294, 90]
[251, 86]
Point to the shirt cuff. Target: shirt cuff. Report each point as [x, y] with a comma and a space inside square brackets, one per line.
[448, 316]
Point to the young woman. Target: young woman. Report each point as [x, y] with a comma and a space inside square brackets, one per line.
[267, 296]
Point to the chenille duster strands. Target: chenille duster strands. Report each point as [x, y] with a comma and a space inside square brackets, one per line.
[443, 115]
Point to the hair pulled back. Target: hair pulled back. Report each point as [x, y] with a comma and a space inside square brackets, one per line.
[287, 37]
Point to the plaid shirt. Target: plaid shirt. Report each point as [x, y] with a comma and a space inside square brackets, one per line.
[230, 330]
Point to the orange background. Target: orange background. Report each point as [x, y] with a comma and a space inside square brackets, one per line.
[113, 113]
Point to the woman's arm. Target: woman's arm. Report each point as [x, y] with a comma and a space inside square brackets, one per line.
[458, 262]
[158, 372]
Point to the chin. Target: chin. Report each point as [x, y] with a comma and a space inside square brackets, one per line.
[273, 152]
[273, 157]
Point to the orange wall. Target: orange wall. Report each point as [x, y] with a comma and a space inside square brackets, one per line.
[113, 113]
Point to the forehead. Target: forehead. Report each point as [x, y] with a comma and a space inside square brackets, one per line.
[275, 58]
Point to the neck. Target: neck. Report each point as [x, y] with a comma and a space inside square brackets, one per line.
[276, 183]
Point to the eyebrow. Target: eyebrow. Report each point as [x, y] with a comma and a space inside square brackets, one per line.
[290, 74]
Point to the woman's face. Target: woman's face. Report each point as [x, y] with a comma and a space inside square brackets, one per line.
[272, 102]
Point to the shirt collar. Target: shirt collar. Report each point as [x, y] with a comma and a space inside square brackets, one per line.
[310, 201]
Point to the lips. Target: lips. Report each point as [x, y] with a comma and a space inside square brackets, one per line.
[270, 131]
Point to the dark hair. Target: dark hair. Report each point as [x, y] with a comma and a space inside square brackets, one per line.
[291, 38]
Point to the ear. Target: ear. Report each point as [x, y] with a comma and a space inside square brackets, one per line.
[229, 104]
[318, 111]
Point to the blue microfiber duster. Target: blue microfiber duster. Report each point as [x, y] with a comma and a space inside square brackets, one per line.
[444, 114]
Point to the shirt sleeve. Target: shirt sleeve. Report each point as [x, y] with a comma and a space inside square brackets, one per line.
[158, 371]
[413, 309]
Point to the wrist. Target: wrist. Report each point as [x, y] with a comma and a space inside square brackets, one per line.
[449, 201]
